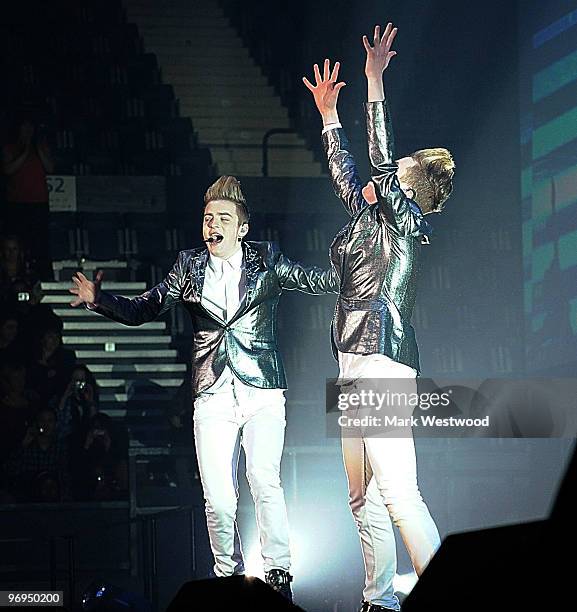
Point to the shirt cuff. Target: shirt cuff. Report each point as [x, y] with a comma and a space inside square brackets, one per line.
[331, 126]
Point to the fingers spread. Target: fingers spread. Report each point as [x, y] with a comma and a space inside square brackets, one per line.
[317, 74]
[99, 276]
[386, 32]
[326, 70]
[366, 44]
[308, 84]
[335, 72]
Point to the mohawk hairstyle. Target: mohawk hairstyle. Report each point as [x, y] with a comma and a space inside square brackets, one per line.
[228, 188]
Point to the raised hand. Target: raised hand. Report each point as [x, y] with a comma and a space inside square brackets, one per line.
[380, 54]
[326, 91]
[86, 291]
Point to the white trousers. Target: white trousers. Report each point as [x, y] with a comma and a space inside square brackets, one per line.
[383, 490]
[235, 416]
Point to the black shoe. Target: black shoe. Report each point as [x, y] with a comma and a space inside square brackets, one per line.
[280, 580]
[369, 607]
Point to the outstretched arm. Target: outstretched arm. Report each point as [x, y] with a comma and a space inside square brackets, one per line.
[131, 311]
[293, 275]
[346, 182]
[380, 130]
[393, 203]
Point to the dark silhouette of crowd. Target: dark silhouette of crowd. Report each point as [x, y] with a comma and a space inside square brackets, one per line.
[55, 445]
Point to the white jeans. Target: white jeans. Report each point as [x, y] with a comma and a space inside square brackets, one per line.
[383, 489]
[235, 416]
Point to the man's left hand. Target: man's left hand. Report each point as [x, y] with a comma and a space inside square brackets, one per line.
[380, 54]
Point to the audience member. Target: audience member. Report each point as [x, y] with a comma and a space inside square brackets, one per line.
[77, 406]
[179, 415]
[51, 364]
[17, 277]
[10, 347]
[101, 468]
[18, 406]
[25, 163]
[37, 470]
[34, 316]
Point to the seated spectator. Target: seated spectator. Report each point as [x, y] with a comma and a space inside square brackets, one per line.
[10, 347]
[37, 470]
[77, 405]
[15, 269]
[25, 163]
[101, 466]
[51, 364]
[34, 315]
[179, 415]
[18, 406]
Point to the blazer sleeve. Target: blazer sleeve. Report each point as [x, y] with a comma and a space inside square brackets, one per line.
[147, 306]
[294, 276]
[393, 204]
[344, 176]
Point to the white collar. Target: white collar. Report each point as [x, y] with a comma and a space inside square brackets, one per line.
[235, 261]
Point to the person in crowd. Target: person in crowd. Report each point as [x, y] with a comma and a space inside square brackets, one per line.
[51, 364]
[18, 406]
[101, 463]
[10, 347]
[77, 405]
[37, 470]
[25, 164]
[34, 315]
[18, 280]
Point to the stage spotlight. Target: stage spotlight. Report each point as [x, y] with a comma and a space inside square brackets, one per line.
[253, 562]
[101, 596]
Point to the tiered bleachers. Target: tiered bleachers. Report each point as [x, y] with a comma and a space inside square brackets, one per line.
[81, 68]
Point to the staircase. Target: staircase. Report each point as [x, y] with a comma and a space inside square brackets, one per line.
[219, 87]
[136, 370]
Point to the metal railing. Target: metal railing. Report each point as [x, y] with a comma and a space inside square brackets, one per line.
[265, 140]
[148, 547]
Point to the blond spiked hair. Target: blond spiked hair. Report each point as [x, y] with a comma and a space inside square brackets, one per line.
[432, 177]
[228, 188]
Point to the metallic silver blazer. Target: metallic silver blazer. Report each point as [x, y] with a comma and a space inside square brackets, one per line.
[376, 253]
[248, 342]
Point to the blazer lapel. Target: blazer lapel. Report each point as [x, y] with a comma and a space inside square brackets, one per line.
[252, 267]
[252, 264]
[197, 275]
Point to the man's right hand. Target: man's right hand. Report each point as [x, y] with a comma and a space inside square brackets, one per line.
[380, 54]
[87, 291]
[326, 91]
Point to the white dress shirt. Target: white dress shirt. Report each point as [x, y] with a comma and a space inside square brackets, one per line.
[224, 285]
[222, 293]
